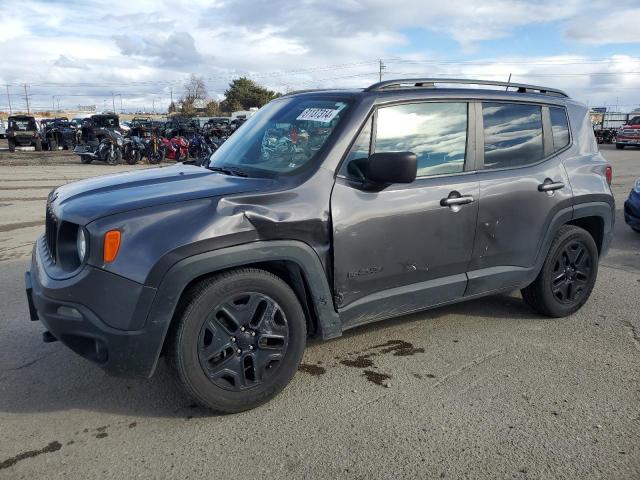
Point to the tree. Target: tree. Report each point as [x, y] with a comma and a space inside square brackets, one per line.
[212, 109]
[172, 108]
[194, 89]
[244, 94]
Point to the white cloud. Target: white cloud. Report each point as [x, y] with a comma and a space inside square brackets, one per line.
[618, 26]
[143, 49]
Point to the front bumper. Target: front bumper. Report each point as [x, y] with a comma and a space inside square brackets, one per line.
[80, 312]
[632, 210]
[628, 140]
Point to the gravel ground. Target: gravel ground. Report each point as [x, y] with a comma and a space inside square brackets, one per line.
[485, 389]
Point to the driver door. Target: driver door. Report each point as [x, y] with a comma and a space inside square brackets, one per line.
[405, 247]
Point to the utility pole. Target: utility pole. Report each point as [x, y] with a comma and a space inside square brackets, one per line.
[26, 96]
[153, 105]
[9, 99]
[382, 68]
[53, 102]
[113, 102]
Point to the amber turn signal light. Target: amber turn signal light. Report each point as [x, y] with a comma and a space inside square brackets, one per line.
[111, 245]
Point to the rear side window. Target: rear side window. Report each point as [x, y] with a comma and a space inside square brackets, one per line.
[435, 132]
[559, 127]
[512, 135]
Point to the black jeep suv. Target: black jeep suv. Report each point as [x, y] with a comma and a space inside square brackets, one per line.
[23, 131]
[328, 210]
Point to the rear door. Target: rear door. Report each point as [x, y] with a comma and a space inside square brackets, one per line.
[404, 247]
[523, 184]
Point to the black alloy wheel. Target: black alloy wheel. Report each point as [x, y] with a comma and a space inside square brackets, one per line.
[567, 276]
[238, 339]
[571, 272]
[243, 341]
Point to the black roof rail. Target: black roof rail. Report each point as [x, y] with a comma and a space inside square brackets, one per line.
[431, 83]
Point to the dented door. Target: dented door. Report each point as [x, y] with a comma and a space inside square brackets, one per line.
[401, 238]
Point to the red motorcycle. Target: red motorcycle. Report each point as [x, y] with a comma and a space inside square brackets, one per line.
[176, 149]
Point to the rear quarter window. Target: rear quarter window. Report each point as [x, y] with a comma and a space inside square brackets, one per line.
[559, 128]
[512, 135]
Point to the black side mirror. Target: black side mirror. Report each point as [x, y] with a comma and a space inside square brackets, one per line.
[392, 167]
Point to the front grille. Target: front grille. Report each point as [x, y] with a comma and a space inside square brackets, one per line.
[629, 132]
[51, 232]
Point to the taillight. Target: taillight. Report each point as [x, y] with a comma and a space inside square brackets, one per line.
[608, 173]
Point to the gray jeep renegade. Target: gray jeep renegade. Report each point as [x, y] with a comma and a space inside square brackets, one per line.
[326, 210]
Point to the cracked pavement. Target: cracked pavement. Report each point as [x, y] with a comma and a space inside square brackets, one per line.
[484, 389]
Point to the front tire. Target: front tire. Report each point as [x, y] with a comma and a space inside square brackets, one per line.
[114, 157]
[568, 274]
[238, 340]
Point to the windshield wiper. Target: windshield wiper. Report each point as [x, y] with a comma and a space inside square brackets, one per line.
[228, 171]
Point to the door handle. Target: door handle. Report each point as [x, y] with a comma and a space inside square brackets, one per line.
[455, 199]
[549, 185]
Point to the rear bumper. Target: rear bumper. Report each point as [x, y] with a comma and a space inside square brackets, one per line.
[72, 310]
[632, 210]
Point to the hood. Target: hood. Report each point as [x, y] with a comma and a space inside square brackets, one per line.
[87, 200]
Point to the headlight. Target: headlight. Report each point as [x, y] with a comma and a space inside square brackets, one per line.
[119, 141]
[636, 187]
[81, 244]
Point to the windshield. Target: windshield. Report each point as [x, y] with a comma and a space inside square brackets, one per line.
[634, 121]
[22, 125]
[105, 122]
[281, 137]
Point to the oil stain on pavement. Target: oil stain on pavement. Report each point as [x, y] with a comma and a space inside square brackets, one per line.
[364, 360]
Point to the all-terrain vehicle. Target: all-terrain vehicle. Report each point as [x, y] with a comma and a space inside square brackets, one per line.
[327, 210]
[100, 139]
[58, 132]
[180, 127]
[23, 131]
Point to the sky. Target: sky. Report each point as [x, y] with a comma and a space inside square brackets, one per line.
[135, 54]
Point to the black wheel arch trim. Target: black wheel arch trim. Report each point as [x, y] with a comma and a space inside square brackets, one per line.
[185, 271]
[604, 210]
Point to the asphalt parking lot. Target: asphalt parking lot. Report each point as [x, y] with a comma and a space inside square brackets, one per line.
[485, 389]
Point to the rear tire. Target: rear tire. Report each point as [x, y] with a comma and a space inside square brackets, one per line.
[12, 144]
[568, 274]
[53, 144]
[619, 146]
[38, 145]
[236, 370]
[86, 159]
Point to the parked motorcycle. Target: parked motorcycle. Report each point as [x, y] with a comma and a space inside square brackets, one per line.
[606, 135]
[106, 148]
[176, 148]
[133, 149]
[155, 149]
[199, 149]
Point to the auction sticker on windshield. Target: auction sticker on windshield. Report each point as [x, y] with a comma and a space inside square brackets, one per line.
[318, 114]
